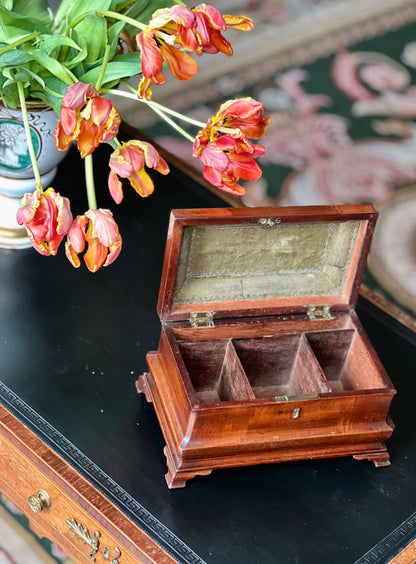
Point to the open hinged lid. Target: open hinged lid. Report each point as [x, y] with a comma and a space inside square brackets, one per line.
[238, 262]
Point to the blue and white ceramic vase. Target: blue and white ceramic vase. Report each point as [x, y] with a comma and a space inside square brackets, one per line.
[16, 173]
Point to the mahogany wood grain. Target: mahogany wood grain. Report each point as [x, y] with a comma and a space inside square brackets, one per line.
[267, 383]
[27, 464]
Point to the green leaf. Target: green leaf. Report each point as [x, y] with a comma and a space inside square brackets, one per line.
[15, 75]
[33, 9]
[124, 66]
[53, 66]
[14, 57]
[27, 23]
[10, 34]
[47, 98]
[80, 7]
[49, 43]
[113, 35]
[91, 33]
[24, 75]
[8, 4]
[10, 96]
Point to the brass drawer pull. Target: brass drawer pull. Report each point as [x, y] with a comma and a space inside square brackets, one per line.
[39, 501]
[83, 534]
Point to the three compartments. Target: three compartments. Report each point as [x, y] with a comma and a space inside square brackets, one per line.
[281, 367]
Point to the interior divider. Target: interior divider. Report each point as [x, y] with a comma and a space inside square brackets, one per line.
[309, 374]
[233, 382]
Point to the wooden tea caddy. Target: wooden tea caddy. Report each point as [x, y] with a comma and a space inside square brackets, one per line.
[262, 357]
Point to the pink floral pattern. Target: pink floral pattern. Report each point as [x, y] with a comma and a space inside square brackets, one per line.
[328, 165]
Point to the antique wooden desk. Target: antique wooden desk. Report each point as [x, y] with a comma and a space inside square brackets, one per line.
[72, 345]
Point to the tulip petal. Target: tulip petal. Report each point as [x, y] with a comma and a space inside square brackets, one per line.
[71, 255]
[142, 183]
[181, 65]
[96, 254]
[213, 157]
[115, 187]
[213, 15]
[239, 22]
[76, 234]
[152, 61]
[100, 110]
[103, 226]
[76, 95]
[114, 251]
[68, 119]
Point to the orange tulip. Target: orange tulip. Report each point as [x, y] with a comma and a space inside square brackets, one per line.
[228, 159]
[98, 229]
[224, 149]
[168, 31]
[175, 31]
[86, 117]
[244, 114]
[47, 218]
[209, 24]
[128, 161]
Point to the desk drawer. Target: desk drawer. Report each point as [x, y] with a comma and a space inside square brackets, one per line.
[64, 521]
[69, 511]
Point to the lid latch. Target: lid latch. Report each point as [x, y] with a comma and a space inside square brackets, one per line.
[319, 312]
[202, 318]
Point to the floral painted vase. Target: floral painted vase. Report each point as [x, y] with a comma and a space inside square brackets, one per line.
[16, 173]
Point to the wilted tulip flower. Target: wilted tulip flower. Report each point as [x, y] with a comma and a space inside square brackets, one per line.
[128, 161]
[98, 229]
[174, 31]
[229, 159]
[86, 117]
[47, 218]
[244, 114]
[224, 149]
[209, 24]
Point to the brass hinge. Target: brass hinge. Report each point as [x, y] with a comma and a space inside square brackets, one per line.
[319, 312]
[202, 318]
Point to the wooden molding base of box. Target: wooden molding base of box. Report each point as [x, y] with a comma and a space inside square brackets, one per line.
[379, 458]
[184, 465]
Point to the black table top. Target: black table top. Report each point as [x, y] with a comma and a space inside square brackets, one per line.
[72, 345]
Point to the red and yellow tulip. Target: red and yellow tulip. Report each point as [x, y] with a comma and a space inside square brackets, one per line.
[224, 148]
[47, 218]
[129, 161]
[229, 159]
[87, 117]
[98, 229]
[173, 33]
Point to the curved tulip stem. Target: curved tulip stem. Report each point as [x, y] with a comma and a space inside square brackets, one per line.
[173, 124]
[20, 41]
[25, 117]
[111, 15]
[162, 111]
[165, 109]
[103, 67]
[114, 143]
[89, 179]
